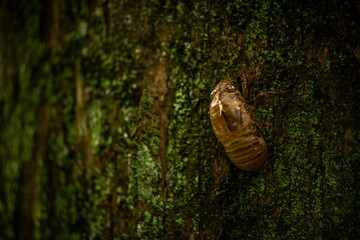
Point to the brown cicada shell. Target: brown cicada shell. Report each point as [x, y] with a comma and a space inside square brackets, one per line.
[236, 127]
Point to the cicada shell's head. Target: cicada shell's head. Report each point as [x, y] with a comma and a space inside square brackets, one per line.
[223, 87]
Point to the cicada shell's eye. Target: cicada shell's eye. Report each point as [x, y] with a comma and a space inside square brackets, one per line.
[228, 88]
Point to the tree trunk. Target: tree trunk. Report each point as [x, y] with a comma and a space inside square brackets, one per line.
[105, 131]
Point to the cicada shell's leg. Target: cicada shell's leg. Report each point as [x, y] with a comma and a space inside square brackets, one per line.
[220, 107]
[245, 88]
[277, 132]
[260, 98]
[267, 124]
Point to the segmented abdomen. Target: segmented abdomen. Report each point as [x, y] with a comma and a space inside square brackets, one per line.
[237, 131]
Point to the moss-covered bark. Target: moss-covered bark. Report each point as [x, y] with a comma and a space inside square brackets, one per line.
[104, 123]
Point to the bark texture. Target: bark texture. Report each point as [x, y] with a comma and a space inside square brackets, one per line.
[105, 131]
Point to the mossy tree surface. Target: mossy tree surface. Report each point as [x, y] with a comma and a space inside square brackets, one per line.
[105, 132]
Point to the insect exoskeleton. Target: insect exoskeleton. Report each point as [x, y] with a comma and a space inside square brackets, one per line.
[236, 127]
